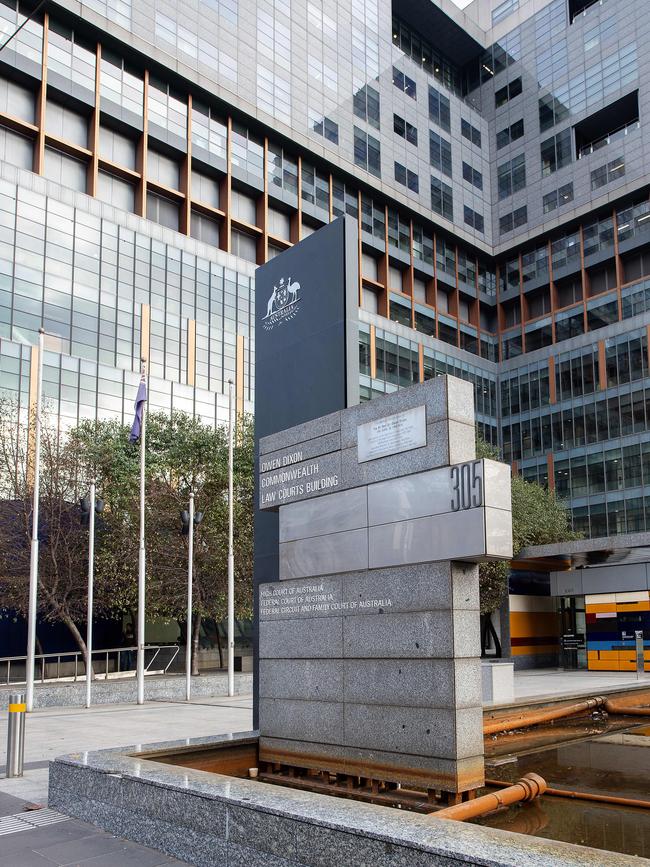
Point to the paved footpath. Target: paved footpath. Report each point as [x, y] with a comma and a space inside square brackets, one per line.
[42, 838]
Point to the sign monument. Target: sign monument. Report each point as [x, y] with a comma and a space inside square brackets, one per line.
[369, 657]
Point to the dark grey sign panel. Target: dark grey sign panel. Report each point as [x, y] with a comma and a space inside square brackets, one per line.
[306, 354]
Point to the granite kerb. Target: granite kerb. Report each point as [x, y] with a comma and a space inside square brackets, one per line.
[317, 820]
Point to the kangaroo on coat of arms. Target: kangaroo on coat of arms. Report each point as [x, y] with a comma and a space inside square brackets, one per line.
[284, 295]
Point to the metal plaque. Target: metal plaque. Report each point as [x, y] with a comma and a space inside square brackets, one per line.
[393, 434]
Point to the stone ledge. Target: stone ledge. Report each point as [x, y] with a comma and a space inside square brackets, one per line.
[169, 687]
[316, 829]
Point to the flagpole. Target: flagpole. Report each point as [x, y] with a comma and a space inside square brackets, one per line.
[231, 557]
[33, 555]
[141, 558]
[190, 565]
[91, 571]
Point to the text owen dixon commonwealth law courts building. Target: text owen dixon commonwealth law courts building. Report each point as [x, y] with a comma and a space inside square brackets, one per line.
[495, 159]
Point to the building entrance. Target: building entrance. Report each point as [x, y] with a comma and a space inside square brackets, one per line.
[573, 632]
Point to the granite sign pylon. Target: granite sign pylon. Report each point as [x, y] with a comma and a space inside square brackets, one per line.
[369, 651]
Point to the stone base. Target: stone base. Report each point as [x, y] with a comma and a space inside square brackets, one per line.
[461, 775]
[206, 819]
[375, 673]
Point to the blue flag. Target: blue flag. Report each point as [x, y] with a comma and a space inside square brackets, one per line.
[140, 399]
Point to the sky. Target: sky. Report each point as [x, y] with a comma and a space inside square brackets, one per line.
[462, 3]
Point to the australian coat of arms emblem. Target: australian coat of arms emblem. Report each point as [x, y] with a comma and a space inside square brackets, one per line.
[283, 303]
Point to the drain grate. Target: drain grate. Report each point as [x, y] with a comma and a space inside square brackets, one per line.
[30, 820]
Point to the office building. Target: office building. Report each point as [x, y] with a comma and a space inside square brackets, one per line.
[495, 159]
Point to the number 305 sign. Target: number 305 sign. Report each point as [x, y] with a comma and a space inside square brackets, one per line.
[466, 486]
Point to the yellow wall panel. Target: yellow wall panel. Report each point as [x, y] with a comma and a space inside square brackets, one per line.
[599, 665]
[605, 607]
[527, 623]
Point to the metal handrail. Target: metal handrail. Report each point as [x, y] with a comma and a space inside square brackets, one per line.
[77, 655]
[612, 136]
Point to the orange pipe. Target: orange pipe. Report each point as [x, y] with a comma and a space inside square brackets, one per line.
[527, 788]
[584, 796]
[536, 717]
[619, 706]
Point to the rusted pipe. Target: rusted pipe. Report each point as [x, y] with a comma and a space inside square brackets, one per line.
[584, 796]
[535, 717]
[528, 788]
[619, 706]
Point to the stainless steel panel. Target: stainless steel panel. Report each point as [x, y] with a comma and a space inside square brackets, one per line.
[410, 497]
[498, 533]
[331, 513]
[324, 555]
[434, 492]
[452, 536]
[497, 485]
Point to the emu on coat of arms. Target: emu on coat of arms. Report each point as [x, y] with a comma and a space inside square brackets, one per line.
[283, 303]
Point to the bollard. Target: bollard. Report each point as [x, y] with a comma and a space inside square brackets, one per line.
[640, 655]
[16, 734]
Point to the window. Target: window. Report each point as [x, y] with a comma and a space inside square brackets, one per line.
[115, 191]
[501, 55]
[405, 129]
[282, 171]
[65, 123]
[470, 133]
[366, 105]
[327, 128]
[503, 10]
[439, 153]
[247, 151]
[425, 55]
[162, 210]
[243, 207]
[472, 176]
[609, 172]
[510, 133]
[473, 219]
[404, 83]
[512, 176]
[556, 152]
[209, 130]
[65, 170]
[163, 169]
[17, 100]
[205, 188]
[517, 218]
[439, 109]
[204, 229]
[558, 198]
[279, 224]
[120, 85]
[406, 177]
[18, 150]
[442, 201]
[602, 30]
[243, 245]
[508, 92]
[367, 152]
[551, 112]
[116, 147]
[167, 110]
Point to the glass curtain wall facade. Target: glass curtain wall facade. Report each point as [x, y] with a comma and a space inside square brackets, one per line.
[150, 160]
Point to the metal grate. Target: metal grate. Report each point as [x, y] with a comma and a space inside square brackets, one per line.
[29, 820]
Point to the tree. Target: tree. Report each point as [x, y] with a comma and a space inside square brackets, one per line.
[538, 518]
[183, 455]
[62, 540]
